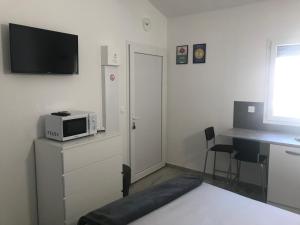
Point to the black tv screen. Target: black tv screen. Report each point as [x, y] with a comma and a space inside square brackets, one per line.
[39, 51]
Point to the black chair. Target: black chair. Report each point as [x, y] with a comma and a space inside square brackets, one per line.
[126, 180]
[210, 137]
[249, 151]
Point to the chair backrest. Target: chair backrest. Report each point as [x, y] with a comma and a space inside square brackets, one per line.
[210, 136]
[248, 150]
[209, 133]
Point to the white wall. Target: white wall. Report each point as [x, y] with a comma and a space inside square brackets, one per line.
[24, 98]
[201, 95]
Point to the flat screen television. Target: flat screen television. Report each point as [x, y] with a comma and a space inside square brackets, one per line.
[39, 51]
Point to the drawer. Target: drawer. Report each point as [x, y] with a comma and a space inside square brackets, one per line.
[97, 177]
[80, 204]
[83, 155]
[284, 182]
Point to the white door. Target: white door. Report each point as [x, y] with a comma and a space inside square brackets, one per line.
[147, 110]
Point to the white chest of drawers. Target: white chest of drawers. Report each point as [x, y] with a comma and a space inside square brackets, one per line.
[77, 176]
[284, 182]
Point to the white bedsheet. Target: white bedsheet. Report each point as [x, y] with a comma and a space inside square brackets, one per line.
[209, 205]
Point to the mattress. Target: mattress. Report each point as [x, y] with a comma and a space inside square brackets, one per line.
[210, 205]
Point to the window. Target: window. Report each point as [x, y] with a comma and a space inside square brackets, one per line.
[283, 98]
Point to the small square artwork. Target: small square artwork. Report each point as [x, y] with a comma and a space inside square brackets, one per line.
[199, 53]
[182, 54]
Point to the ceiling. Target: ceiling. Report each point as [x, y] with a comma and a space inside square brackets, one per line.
[173, 8]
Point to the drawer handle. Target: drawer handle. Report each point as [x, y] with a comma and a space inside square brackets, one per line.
[293, 153]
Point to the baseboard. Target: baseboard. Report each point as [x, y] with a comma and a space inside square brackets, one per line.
[207, 174]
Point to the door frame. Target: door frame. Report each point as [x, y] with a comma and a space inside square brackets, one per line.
[133, 48]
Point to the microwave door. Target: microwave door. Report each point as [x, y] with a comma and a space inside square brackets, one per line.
[75, 128]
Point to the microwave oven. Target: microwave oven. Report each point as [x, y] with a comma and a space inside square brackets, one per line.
[69, 125]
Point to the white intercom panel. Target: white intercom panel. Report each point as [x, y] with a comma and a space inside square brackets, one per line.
[110, 56]
[110, 99]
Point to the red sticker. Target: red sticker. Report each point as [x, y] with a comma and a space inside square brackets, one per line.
[112, 77]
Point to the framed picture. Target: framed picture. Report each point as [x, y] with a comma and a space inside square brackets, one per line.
[182, 54]
[199, 53]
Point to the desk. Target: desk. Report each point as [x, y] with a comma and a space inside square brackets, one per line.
[284, 165]
[268, 137]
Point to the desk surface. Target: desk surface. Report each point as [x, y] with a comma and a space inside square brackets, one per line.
[269, 137]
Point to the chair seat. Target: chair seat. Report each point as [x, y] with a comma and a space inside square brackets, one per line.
[222, 148]
[246, 158]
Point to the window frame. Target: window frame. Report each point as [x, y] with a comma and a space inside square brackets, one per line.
[269, 96]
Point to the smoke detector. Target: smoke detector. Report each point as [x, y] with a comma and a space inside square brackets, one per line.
[147, 24]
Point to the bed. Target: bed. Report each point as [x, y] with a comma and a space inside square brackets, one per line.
[210, 205]
[199, 204]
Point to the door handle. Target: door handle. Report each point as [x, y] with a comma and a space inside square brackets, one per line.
[133, 126]
[292, 153]
[136, 118]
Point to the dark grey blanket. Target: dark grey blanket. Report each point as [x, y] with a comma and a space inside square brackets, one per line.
[126, 210]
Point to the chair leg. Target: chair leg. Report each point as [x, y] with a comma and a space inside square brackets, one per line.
[259, 175]
[267, 173]
[214, 171]
[205, 162]
[230, 168]
[228, 177]
[238, 170]
[267, 179]
[262, 181]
